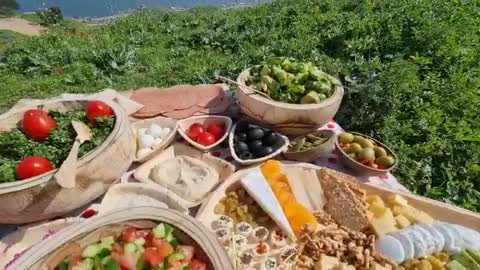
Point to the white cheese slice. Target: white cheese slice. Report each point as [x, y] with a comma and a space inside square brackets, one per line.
[256, 185]
[391, 247]
[418, 239]
[447, 233]
[438, 238]
[468, 237]
[407, 245]
[295, 176]
[430, 243]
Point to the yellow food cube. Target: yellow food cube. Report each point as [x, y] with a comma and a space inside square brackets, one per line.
[399, 210]
[435, 262]
[417, 216]
[375, 199]
[377, 209]
[398, 200]
[384, 224]
[402, 221]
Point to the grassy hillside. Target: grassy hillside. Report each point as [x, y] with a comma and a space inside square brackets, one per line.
[411, 70]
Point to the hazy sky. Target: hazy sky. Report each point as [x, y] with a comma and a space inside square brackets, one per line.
[91, 8]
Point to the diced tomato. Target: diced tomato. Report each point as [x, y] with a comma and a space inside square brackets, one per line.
[197, 265]
[164, 249]
[130, 235]
[177, 265]
[74, 262]
[152, 257]
[188, 251]
[117, 248]
[143, 233]
[149, 238]
[126, 260]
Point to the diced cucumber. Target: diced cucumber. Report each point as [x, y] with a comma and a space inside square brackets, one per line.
[130, 247]
[175, 257]
[63, 266]
[111, 264]
[107, 242]
[139, 242]
[159, 231]
[88, 264]
[92, 250]
[105, 260]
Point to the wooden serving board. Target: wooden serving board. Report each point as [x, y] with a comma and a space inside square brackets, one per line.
[438, 210]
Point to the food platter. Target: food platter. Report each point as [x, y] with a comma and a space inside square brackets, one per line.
[209, 215]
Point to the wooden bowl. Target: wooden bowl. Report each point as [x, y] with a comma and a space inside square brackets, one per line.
[142, 173]
[52, 251]
[313, 153]
[205, 120]
[359, 168]
[290, 119]
[245, 162]
[40, 198]
[163, 122]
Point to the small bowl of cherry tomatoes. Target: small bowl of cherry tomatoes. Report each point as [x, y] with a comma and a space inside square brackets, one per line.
[205, 131]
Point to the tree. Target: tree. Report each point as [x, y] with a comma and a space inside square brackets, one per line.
[51, 16]
[8, 7]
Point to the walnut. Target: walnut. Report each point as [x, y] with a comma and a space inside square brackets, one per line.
[305, 261]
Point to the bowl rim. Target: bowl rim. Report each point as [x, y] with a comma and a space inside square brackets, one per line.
[241, 79]
[389, 150]
[277, 152]
[331, 136]
[225, 119]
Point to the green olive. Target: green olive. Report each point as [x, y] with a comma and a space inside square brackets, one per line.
[354, 148]
[366, 154]
[345, 138]
[366, 143]
[379, 151]
[385, 161]
[352, 156]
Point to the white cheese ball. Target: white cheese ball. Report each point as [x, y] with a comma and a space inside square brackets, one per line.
[155, 130]
[146, 141]
[157, 142]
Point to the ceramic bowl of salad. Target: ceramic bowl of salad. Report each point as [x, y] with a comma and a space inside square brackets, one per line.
[134, 238]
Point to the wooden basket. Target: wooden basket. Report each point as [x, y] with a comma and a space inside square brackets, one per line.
[359, 168]
[316, 152]
[41, 198]
[291, 119]
[51, 252]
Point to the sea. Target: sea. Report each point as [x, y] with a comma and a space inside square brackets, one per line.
[106, 8]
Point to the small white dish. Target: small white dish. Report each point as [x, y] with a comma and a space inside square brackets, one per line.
[145, 124]
[205, 120]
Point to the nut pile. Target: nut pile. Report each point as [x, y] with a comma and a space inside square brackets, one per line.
[348, 246]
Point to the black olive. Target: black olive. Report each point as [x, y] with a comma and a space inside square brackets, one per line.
[240, 137]
[245, 155]
[255, 145]
[241, 147]
[270, 139]
[264, 151]
[242, 127]
[255, 134]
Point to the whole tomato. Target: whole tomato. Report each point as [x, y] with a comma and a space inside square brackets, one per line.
[217, 130]
[33, 166]
[195, 130]
[97, 109]
[206, 138]
[37, 124]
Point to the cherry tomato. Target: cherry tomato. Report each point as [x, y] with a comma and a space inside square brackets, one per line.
[37, 124]
[217, 131]
[97, 109]
[130, 235]
[195, 130]
[206, 138]
[197, 265]
[152, 257]
[33, 166]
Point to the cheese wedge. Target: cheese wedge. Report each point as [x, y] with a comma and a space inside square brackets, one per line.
[256, 185]
[295, 178]
[314, 189]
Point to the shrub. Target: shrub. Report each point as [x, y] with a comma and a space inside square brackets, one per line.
[51, 16]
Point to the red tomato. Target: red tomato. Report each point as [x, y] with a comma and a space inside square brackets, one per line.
[37, 124]
[217, 131]
[152, 257]
[126, 260]
[195, 130]
[96, 109]
[206, 138]
[164, 250]
[33, 166]
[75, 261]
[130, 235]
[197, 265]
[188, 251]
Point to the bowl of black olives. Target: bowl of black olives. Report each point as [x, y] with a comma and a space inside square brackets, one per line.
[251, 144]
[365, 155]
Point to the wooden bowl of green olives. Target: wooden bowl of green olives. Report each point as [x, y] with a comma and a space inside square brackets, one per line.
[251, 144]
[309, 147]
[365, 155]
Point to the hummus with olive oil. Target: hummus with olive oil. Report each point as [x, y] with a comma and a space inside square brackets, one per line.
[188, 177]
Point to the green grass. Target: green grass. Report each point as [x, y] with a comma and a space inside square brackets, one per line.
[32, 17]
[7, 36]
[410, 68]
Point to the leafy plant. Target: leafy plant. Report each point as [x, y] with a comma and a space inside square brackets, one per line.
[51, 16]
